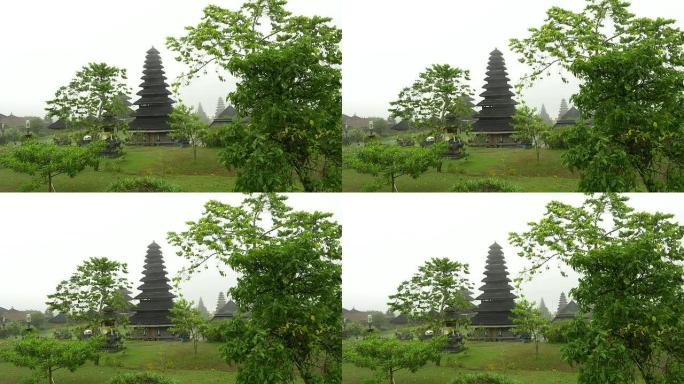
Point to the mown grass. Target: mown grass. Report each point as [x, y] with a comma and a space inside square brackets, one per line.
[173, 359]
[173, 164]
[515, 360]
[515, 165]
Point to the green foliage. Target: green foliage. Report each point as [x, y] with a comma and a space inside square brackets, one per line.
[529, 321]
[92, 98]
[530, 127]
[484, 185]
[389, 162]
[437, 100]
[632, 273]
[558, 331]
[482, 378]
[354, 136]
[217, 331]
[45, 356]
[289, 279]
[387, 356]
[439, 284]
[142, 378]
[187, 321]
[142, 184]
[289, 85]
[187, 126]
[557, 138]
[95, 285]
[631, 86]
[49, 160]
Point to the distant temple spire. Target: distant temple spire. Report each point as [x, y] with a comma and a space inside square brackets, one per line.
[562, 302]
[494, 125]
[151, 123]
[563, 109]
[220, 107]
[494, 316]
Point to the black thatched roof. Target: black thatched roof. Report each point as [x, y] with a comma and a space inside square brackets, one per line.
[498, 106]
[400, 320]
[225, 117]
[155, 298]
[154, 103]
[567, 313]
[569, 118]
[497, 299]
[228, 311]
[59, 124]
[402, 126]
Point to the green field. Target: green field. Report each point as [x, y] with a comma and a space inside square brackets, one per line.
[515, 360]
[173, 359]
[172, 164]
[516, 165]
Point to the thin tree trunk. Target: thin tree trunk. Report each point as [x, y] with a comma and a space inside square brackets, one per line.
[194, 151]
[194, 341]
[394, 183]
[391, 376]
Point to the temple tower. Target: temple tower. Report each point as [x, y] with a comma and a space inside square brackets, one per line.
[151, 123]
[151, 318]
[495, 120]
[493, 319]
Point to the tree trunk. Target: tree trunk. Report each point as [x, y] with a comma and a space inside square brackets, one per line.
[538, 154]
[50, 380]
[51, 188]
[394, 183]
[194, 151]
[391, 376]
[536, 348]
[194, 342]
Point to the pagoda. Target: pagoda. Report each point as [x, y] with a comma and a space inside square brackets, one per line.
[151, 318]
[493, 318]
[495, 120]
[151, 123]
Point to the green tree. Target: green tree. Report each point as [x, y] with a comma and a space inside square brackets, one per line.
[530, 127]
[530, 321]
[45, 356]
[288, 71]
[390, 162]
[631, 86]
[97, 283]
[437, 100]
[46, 161]
[631, 268]
[187, 321]
[440, 284]
[187, 125]
[92, 99]
[388, 356]
[289, 272]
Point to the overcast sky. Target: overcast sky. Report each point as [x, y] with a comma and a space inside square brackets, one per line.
[45, 237]
[388, 236]
[43, 44]
[387, 43]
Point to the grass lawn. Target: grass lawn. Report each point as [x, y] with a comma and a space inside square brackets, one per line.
[173, 359]
[173, 164]
[515, 360]
[517, 165]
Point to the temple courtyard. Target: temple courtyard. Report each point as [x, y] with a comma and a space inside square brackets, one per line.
[172, 164]
[515, 165]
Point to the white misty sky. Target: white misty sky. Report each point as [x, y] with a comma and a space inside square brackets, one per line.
[387, 43]
[43, 44]
[388, 236]
[45, 237]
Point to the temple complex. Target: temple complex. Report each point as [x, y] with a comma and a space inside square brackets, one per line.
[225, 117]
[151, 318]
[569, 118]
[495, 120]
[568, 312]
[493, 319]
[227, 311]
[151, 123]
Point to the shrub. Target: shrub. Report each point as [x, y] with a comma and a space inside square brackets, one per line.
[217, 331]
[485, 185]
[142, 378]
[558, 332]
[556, 139]
[142, 184]
[483, 378]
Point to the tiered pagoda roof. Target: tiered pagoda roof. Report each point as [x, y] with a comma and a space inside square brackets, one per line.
[498, 106]
[225, 117]
[154, 105]
[497, 299]
[569, 118]
[568, 312]
[155, 298]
